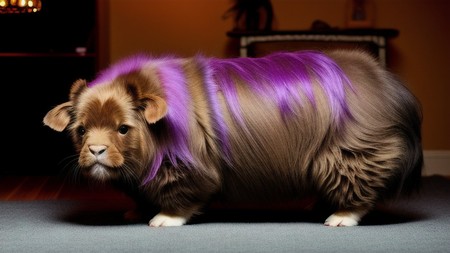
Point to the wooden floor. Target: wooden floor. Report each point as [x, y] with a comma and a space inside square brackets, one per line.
[50, 188]
[31, 188]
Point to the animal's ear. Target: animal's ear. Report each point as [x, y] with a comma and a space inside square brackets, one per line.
[77, 87]
[155, 109]
[58, 118]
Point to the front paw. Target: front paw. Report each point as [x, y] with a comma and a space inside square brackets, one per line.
[340, 221]
[345, 218]
[164, 220]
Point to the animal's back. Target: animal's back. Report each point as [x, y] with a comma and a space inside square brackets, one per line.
[354, 138]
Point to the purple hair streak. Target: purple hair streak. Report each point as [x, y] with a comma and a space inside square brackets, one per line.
[212, 88]
[173, 81]
[281, 76]
[122, 67]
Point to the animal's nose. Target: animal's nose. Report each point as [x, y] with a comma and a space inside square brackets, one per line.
[97, 149]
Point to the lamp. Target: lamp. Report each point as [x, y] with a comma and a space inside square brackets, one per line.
[19, 6]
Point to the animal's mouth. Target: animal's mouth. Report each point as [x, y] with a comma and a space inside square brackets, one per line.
[100, 171]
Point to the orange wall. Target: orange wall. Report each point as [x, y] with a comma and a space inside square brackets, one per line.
[420, 54]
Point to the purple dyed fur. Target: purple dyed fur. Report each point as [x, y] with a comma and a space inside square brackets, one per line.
[278, 76]
[122, 67]
[178, 99]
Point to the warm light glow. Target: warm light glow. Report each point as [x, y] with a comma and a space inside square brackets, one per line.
[19, 6]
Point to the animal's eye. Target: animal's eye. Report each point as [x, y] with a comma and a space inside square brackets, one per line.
[123, 129]
[81, 130]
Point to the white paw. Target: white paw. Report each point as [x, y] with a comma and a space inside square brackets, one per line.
[162, 220]
[343, 219]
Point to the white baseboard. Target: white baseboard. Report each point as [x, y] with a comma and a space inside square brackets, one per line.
[437, 162]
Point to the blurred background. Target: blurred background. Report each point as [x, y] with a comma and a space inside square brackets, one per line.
[42, 53]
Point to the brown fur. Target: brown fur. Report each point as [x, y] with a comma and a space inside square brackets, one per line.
[352, 168]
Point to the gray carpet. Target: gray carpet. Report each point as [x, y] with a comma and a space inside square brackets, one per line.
[421, 224]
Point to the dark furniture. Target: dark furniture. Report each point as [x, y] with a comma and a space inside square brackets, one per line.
[41, 55]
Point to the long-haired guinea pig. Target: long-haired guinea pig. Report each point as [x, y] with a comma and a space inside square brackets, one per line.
[174, 132]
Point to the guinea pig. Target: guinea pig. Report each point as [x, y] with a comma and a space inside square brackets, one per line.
[176, 132]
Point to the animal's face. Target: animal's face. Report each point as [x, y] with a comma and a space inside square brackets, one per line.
[106, 132]
[109, 128]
